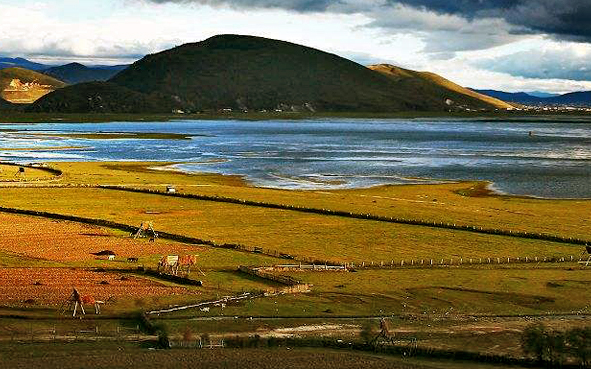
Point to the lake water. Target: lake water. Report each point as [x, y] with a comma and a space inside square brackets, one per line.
[339, 153]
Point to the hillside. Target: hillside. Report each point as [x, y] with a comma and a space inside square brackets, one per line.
[77, 73]
[101, 97]
[253, 73]
[23, 86]
[5, 105]
[244, 72]
[21, 63]
[434, 86]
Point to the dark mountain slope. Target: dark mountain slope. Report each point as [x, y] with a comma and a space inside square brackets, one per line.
[256, 73]
[100, 97]
[5, 105]
[77, 73]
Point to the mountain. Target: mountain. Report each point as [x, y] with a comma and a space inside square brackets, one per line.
[77, 73]
[23, 86]
[573, 99]
[434, 86]
[541, 94]
[21, 63]
[252, 73]
[515, 97]
[582, 98]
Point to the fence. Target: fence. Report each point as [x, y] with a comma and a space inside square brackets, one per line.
[340, 213]
[466, 262]
[89, 333]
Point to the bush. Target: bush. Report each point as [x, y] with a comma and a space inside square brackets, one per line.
[579, 345]
[367, 333]
[552, 347]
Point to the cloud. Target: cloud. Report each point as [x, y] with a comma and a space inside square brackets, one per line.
[43, 37]
[444, 33]
[569, 62]
[561, 19]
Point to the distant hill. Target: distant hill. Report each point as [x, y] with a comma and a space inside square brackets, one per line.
[77, 73]
[21, 63]
[434, 86]
[574, 99]
[23, 86]
[541, 94]
[582, 98]
[252, 73]
[515, 97]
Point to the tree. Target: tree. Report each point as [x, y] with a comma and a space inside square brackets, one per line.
[367, 333]
[579, 344]
[533, 341]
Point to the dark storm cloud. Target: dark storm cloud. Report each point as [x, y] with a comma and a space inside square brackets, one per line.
[565, 19]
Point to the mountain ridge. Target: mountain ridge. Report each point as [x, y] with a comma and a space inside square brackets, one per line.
[237, 72]
[580, 98]
[73, 73]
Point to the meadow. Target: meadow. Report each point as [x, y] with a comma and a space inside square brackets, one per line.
[422, 300]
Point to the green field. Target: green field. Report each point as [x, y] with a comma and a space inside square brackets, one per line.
[423, 301]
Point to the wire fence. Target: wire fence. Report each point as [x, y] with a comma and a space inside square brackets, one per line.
[364, 216]
[88, 333]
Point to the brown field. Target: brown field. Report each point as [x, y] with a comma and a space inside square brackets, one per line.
[111, 355]
[63, 241]
[52, 286]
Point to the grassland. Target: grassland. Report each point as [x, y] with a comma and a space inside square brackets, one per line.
[11, 173]
[428, 301]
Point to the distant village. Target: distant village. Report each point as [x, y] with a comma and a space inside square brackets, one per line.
[17, 85]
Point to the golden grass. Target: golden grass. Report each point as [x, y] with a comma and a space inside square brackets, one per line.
[314, 236]
[439, 203]
[9, 173]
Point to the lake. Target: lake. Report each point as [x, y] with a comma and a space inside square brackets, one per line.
[540, 159]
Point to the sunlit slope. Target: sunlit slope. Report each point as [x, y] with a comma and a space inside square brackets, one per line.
[23, 86]
[432, 85]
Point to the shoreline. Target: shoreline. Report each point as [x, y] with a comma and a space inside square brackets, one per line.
[12, 117]
[488, 186]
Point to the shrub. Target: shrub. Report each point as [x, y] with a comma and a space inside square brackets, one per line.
[579, 344]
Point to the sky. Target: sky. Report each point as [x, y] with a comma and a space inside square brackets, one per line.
[511, 45]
